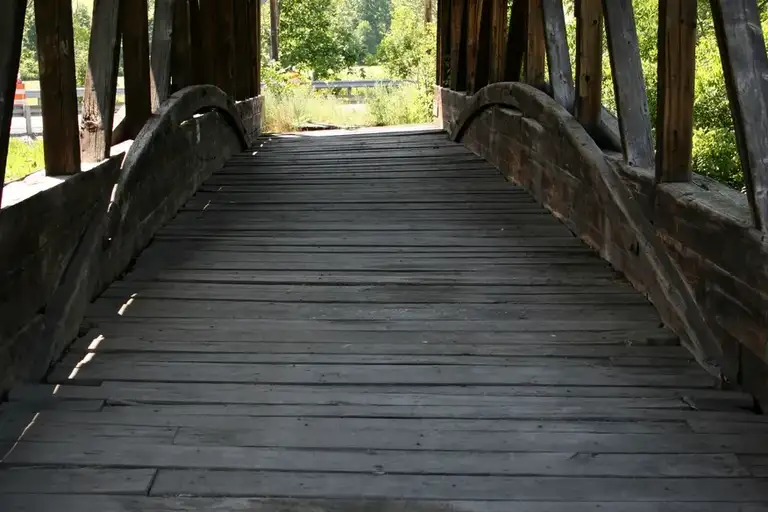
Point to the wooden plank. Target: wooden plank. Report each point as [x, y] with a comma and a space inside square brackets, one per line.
[472, 16]
[254, 20]
[498, 40]
[226, 46]
[536, 50]
[209, 11]
[459, 45]
[243, 74]
[628, 83]
[558, 57]
[58, 93]
[481, 73]
[589, 64]
[14, 480]
[444, 44]
[745, 65]
[134, 26]
[12, 30]
[274, 24]
[101, 82]
[676, 76]
[182, 60]
[517, 37]
[160, 60]
[573, 489]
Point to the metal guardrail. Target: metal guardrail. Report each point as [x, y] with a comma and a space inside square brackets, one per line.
[28, 111]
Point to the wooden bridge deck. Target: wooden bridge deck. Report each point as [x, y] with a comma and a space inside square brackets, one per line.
[375, 316]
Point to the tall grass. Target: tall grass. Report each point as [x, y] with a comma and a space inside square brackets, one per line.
[290, 108]
[23, 158]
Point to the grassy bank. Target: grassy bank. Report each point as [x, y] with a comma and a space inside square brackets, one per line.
[24, 157]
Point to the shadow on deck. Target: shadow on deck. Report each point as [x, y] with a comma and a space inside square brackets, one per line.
[376, 316]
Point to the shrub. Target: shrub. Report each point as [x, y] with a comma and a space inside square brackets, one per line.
[408, 104]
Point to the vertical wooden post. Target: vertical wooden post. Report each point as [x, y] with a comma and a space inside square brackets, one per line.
[160, 58]
[458, 45]
[196, 40]
[558, 57]
[56, 51]
[443, 41]
[517, 40]
[274, 25]
[628, 83]
[182, 64]
[225, 57]
[472, 16]
[498, 39]
[745, 65]
[589, 63]
[100, 82]
[243, 73]
[676, 72]
[254, 17]
[135, 28]
[482, 72]
[536, 51]
[209, 10]
[11, 33]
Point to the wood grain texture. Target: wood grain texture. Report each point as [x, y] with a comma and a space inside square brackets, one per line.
[536, 49]
[134, 26]
[628, 83]
[676, 76]
[558, 57]
[160, 57]
[498, 40]
[481, 73]
[517, 37]
[100, 82]
[182, 54]
[254, 22]
[12, 30]
[242, 50]
[225, 59]
[472, 16]
[58, 93]
[589, 64]
[458, 45]
[745, 65]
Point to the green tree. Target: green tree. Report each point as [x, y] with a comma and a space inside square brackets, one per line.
[408, 49]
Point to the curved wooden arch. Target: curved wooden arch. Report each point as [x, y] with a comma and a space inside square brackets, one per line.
[182, 105]
[605, 181]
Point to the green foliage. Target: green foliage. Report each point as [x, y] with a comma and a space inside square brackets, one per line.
[408, 49]
[23, 158]
[399, 105]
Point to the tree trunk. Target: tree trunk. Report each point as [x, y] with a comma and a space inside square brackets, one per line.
[274, 17]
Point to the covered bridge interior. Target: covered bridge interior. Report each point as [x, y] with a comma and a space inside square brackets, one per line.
[532, 306]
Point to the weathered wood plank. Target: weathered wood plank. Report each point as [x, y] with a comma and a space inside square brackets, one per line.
[56, 55]
[243, 60]
[517, 37]
[100, 82]
[558, 58]
[160, 61]
[12, 30]
[182, 56]
[254, 22]
[676, 75]
[628, 83]
[536, 50]
[480, 75]
[745, 65]
[498, 40]
[459, 45]
[472, 15]
[226, 49]
[589, 63]
[134, 26]
[14, 480]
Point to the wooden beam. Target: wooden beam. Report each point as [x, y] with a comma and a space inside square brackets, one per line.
[498, 39]
[558, 57]
[208, 29]
[482, 72]
[196, 40]
[443, 41]
[160, 58]
[458, 45]
[536, 50]
[472, 16]
[254, 17]
[56, 52]
[11, 33]
[274, 25]
[675, 90]
[242, 54]
[517, 41]
[225, 57]
[745, 65]
[100, 82]
[182, 55]
[589, 63]
[628, 83]
[135, 29]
